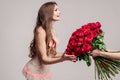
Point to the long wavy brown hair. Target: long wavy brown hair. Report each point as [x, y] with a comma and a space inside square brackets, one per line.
[44, 18]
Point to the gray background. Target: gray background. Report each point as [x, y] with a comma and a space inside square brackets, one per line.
[17, 20]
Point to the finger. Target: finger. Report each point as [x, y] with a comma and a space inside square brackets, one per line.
[74, 60]
[91, 54]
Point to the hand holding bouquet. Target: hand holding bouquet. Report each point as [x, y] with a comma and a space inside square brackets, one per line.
[84, 40]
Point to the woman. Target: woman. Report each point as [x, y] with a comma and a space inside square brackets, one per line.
[111, 54]
[43, 46]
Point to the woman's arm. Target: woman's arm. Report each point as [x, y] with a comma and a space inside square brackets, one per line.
[113, 55]
[41, 48]
[59, 54]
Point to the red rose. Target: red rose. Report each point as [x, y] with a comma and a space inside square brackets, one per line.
[92, 26]
[100, 31]
[79, 41]
[79, 33]
[77, 51]
[68, 49]
[68, 53]
[73, 43]
[83, 50]
[98, 24]
[72, 37]
[84, 27]
[86, 31]
[78, 54]
[87, 47]
[73, 53]
[89, 38]
[94, 34]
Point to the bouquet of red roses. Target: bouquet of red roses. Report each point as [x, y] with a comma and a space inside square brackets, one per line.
[87, 38]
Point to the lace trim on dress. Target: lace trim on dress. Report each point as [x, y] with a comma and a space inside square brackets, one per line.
[37, 75]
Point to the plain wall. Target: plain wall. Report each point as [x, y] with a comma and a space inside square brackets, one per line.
[17, 21]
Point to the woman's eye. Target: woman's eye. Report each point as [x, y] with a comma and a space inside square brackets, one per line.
[55, 9]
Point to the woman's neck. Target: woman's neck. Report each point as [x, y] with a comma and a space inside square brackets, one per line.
[52, 22]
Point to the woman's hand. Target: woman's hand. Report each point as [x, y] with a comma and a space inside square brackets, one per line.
[95, 53]
[69, 57]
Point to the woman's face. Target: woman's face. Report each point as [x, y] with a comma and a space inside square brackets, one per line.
[56, 13]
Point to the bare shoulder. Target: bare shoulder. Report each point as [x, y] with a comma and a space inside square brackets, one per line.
[40, 31]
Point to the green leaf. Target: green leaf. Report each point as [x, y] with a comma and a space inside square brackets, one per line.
[87, 59]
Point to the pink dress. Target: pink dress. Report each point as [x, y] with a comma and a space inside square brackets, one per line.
[34, 70]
